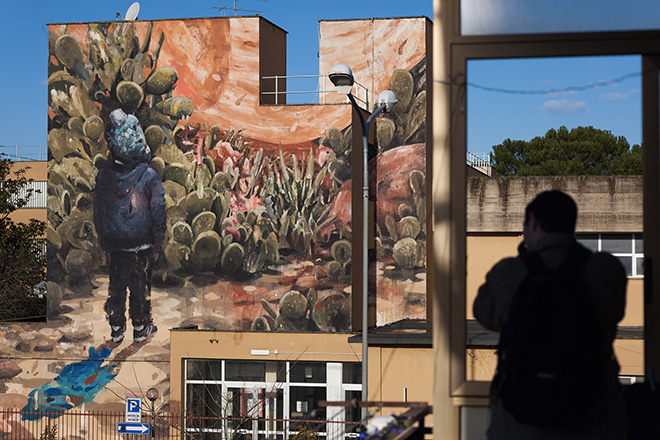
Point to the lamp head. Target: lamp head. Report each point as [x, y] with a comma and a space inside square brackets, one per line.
[342, 78]
[152, 394]
[388, 99]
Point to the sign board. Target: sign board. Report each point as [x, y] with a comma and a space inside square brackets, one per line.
[133, 428]
[133, 410]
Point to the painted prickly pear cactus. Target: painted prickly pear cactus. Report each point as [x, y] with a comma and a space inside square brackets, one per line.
[240, 211]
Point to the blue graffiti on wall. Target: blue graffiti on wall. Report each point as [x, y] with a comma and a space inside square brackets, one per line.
[80, 382]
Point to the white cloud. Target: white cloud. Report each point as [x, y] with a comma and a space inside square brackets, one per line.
[564, 106]
[617, 96]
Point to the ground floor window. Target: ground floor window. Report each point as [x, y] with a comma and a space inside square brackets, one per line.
[242, 399]
[627, 247]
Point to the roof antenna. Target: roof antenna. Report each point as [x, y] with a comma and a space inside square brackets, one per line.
[226, 8]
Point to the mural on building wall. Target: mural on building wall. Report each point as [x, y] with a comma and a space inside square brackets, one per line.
[245, 217]
[398, 173]
[399, 189]
[396, 60]
[257, 200]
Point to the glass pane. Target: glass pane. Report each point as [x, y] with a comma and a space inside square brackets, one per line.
[204, 404]
[639, 262]
[522, 99]
[313, 372]
[515, 107]
[353, 414]
[244, 405]
[616, 243]
[639, 244]
[303, 405]
[627, 264]
[199, 369]
[352, 373]
[271, 426]
[245, 371]
[590, 241]
[498, 17]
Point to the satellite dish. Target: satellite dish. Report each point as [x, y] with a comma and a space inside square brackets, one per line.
[132, 12]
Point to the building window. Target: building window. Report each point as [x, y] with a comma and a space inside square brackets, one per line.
[38, 198]
[272, 399]
[628, 248]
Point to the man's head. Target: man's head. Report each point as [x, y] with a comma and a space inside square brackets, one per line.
[550, 211]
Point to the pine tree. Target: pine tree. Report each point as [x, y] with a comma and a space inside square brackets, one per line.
[580, 151]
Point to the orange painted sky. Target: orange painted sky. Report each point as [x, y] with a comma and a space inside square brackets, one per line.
[217, 61]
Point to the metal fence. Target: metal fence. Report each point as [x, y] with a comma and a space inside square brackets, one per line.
[16, 424]
[21, 153]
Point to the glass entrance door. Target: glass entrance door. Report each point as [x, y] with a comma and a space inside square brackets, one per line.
[255, 412]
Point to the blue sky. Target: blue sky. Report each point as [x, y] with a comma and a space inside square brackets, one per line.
[603, 92]
[492, 115]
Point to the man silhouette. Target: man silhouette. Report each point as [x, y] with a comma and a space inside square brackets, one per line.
[548, 232]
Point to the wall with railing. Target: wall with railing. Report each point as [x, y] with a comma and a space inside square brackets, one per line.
[22, 153]
[480, 162]
[309, 89]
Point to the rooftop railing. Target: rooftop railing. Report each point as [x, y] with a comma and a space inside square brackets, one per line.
[480, 162]
[319, 87]
[21, 153]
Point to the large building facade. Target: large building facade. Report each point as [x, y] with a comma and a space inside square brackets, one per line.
[257, 289]
[259, 252]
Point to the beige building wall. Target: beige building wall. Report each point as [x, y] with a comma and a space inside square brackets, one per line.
[37, 171]
[401, 374]
[483, 251]
[198, 344]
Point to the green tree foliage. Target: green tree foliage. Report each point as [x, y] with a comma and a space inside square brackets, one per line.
[580, 151]
[22, 259]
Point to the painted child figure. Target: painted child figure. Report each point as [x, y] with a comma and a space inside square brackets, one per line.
[129, 215]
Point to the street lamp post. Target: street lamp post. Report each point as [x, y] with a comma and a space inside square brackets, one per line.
[342, 78]
[152, 395]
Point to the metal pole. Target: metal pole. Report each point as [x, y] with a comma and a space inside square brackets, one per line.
[365, 247]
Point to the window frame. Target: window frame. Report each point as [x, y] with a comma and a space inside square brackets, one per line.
[634, 255]
[285, 386]
[449, 203]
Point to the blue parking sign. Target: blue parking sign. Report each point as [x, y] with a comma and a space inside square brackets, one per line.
[133, 410]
